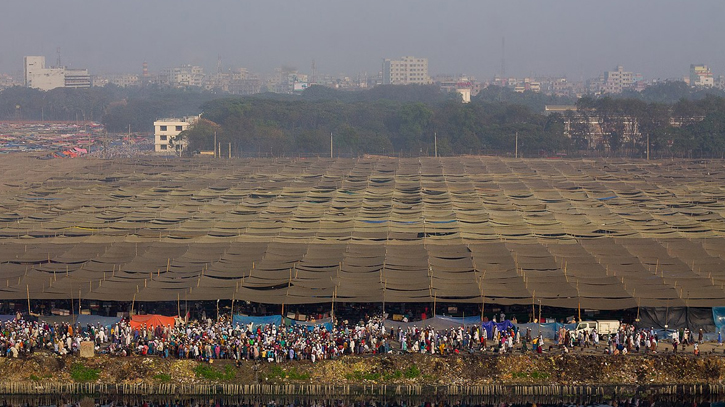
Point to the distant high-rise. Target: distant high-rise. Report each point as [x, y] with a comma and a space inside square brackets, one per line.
[183, 76]
[39, 77]
[406, 71]
[618, 80]
[701, 76]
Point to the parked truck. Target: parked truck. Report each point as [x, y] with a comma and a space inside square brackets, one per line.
[602, 327]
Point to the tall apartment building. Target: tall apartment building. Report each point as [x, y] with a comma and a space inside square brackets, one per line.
[618, 80]
[701, 76]
[406, 71]
[183, 76]
[166, 131]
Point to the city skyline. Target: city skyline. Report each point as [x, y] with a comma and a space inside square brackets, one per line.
[563, 38]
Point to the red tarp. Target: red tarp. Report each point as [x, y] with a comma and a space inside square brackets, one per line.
[152, 320]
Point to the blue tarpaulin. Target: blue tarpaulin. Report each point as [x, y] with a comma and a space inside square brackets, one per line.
[502, 326]
[7, 318]
[257, 321]
[718, 316]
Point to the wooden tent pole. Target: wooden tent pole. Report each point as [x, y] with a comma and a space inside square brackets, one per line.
[232, 312]
[178, 304]
[72, 307]
[27, 288]
[533, 306]
[579, 299]
[332, 310]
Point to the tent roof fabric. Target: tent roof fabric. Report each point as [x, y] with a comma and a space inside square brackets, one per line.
[151, 321]
[600, 234]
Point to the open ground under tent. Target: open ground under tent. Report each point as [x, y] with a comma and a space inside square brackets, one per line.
[596, 234]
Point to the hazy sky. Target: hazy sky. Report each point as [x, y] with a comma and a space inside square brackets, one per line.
[576, 38]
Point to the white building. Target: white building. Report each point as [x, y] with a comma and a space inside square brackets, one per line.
[77, 78]
[39, 77]
[465, 94]
[184, 76]
[617, 81]
[406, 71]
[125, 80]
[165, 132]
[701, 76]
[460, 84]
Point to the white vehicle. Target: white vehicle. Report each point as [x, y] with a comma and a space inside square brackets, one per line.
[602, 327]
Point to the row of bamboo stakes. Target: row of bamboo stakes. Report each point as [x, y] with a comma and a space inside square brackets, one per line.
[47, 388]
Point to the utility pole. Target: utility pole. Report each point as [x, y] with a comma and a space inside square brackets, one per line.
[435, 144]
[516, 150]
[214, 144]
[330, 144]
[647, 146]
[230, 150]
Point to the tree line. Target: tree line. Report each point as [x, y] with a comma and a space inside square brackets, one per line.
[599, 126]
[402, 120]
[259, 126]
[117, 108]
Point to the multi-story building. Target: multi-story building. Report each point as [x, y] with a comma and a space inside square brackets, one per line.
[39, 77]
[7, 81]
[700, 76]
[560, 87]
[125, 80]
[460, 84]
[719, 82]
[618, 80]
[183, 76]
[406, 71]
[166, 132]
[77, 78]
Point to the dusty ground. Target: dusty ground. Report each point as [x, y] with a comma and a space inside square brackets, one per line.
[554, 368]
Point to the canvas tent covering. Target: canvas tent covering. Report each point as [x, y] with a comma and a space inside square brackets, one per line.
[677, 318]
[151, 321]
[599, 234]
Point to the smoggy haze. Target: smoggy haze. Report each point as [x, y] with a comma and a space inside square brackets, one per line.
[554, 37]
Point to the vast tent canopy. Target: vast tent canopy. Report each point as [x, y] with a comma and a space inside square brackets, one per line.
[600, 234]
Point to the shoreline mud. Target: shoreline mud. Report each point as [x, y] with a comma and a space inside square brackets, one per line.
[386, 375]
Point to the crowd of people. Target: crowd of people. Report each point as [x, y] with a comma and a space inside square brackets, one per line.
[628, 339]
[208, 340]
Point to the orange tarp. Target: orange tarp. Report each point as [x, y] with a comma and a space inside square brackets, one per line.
[151, 320]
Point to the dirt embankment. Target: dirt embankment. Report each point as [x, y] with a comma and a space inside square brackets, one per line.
[408, 369]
